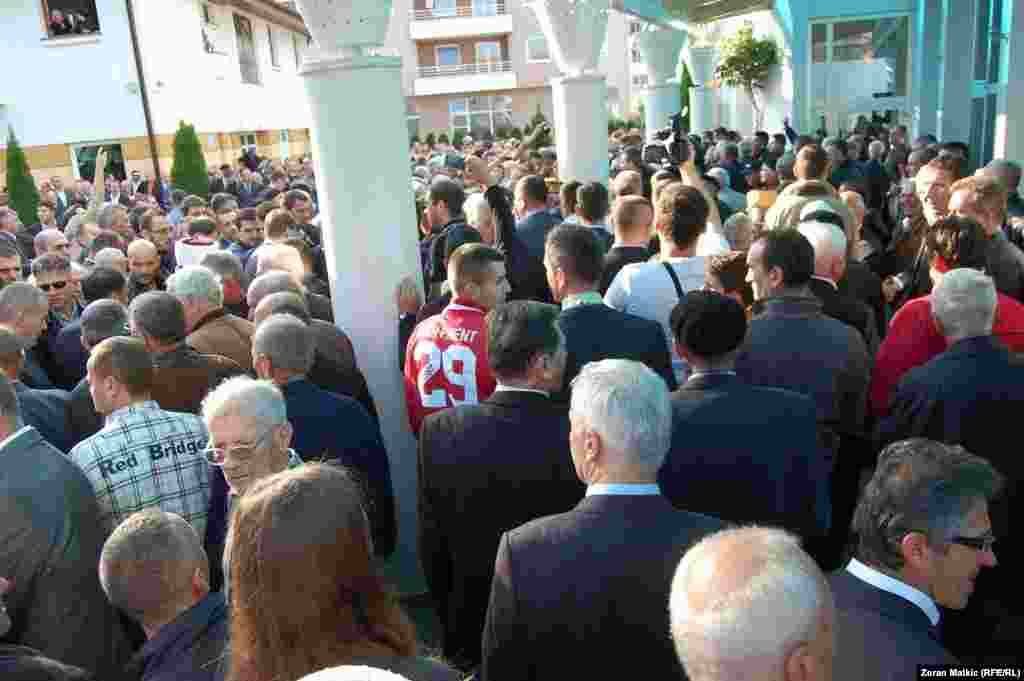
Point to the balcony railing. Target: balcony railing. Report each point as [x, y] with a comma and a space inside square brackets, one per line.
[465, 69]
[487, 8]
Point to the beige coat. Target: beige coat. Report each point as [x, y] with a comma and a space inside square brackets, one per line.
[221, 333]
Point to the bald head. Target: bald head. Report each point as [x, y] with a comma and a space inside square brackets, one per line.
[140, 248]
[750, 603]
[50, 241]
[628, 183]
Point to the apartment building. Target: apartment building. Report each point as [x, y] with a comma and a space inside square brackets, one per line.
[483, 66]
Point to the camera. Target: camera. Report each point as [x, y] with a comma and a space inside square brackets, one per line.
[670, 145]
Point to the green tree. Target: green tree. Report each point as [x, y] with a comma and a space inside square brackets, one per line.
[189, 173]
[431, 140]
[457, 137]
[745, 62]
[685, 83]
[21, 187]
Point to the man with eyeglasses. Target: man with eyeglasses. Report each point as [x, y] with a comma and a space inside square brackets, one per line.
[250, 439]
[143, 456]
[924, 537]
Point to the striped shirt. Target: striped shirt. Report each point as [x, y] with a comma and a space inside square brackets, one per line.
[144, 457]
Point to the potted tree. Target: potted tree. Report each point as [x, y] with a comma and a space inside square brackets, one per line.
[745, 62]
[21, 186]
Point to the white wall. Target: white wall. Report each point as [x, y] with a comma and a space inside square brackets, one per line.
[187, 83]
[59, 93]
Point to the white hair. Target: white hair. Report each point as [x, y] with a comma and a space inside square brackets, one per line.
[628, 405]
[964, 303]
[477, 209]
[829, 243]
[741, 600]
[876, 149]
[353, 673]
[196, 283]
[260, 401]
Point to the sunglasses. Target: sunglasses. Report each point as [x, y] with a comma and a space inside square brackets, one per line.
[57, 285]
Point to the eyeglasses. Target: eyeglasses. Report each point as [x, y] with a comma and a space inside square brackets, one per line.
[62, 247]
[216, 456]
[58, 285]
[984, 543]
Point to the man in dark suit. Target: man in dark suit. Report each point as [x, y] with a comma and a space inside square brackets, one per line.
[183, 375]
[44, 410]
[99, 284]
[326, 427]
[25, 309]
[50, 542]
[101, 320]
[829, 245]
[474, 470]
[729, 585]
[573, 262]
[532, 227]
[742, 453]
[582, 594]
[924, 535]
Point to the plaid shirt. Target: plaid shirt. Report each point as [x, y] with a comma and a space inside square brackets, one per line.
[145, 456]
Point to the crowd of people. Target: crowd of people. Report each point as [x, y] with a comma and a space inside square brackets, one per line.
[735, 417]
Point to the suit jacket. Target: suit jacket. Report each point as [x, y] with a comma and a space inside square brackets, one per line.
[71, 356]
[32, 372]
[1005, 264]
[532, 232]
[879, 635]
[248, 196]
[863, 284]
[474, 474]
[583, 595]
[220, 333]
[184, 376]
[50, 543]
[596, 332]
[848, 310]
[48, 412]
[747, 455]
[82, 416]
[336, 429]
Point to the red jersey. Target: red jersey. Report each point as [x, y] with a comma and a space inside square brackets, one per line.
[913, 340]
[446, 363]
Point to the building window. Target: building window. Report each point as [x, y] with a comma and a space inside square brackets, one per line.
[248, 62]
[640, 80]
[84, 158]
[635, 27]
[537, 49]
[855, 62]
[448, 57]
[635, 56]
[488, 53]
[66, 18]
[273, 48]
[482, 116]
[247, 139]
[442, 8]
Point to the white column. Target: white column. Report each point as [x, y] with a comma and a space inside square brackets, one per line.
[660, 51]
[1009, 133]
[369, 223]
[958, 74]
[927, 68]
[701, 62]
[575, 30]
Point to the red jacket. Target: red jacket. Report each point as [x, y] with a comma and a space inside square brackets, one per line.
[913, 340]
[446, 363]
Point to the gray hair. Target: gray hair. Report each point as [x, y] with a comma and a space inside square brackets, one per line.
[282, 303]
[114, 258]
[105, 219]
[103, 319]
[739, 231]
[18, 299]
[259, 401]
[49, 263]
[742, 599]
[10, 408]
[147, 565]
[628, 405]
[876, 150]
[477, 209]
[964, 303]
[1007, 170]
[224, 264]
[272, 282]
[919, 486]
[829, 243]
[196, 283]
[286, 341]
[160, 316]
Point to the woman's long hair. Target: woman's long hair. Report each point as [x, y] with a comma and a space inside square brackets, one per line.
[304, 592]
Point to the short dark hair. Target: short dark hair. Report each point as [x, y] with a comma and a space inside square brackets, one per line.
[102, 282]
[534, 188]
[730, 269]
[471, 262]
[592, 200]
[177, 196]
[919, 486]
[959, 241]
[222, 199]
[127, 361]
[578, 252]
[791, 252]
[687, 212]
[46, 203]
[264, 209]
[106, 238]
[812, 161]
[839, 143]
[192, 201]
[568, 196]
[50, 262]
[709, 324]
[945, 164]
[8, 249]
[160, 316]
[204, 226]
[519, 331]
[448, 191]
[103, 319]
[279, 223]
[293, 196]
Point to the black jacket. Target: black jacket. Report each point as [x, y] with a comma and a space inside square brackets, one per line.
[747, 455]
[583, 594]
[189, 648]
[848, 310]
[48, 411]
[532, 232]
[474, 473]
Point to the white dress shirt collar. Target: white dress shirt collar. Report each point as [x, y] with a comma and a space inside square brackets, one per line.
[894, 586]
[513, 389]
[614, 489]
[827, 281]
